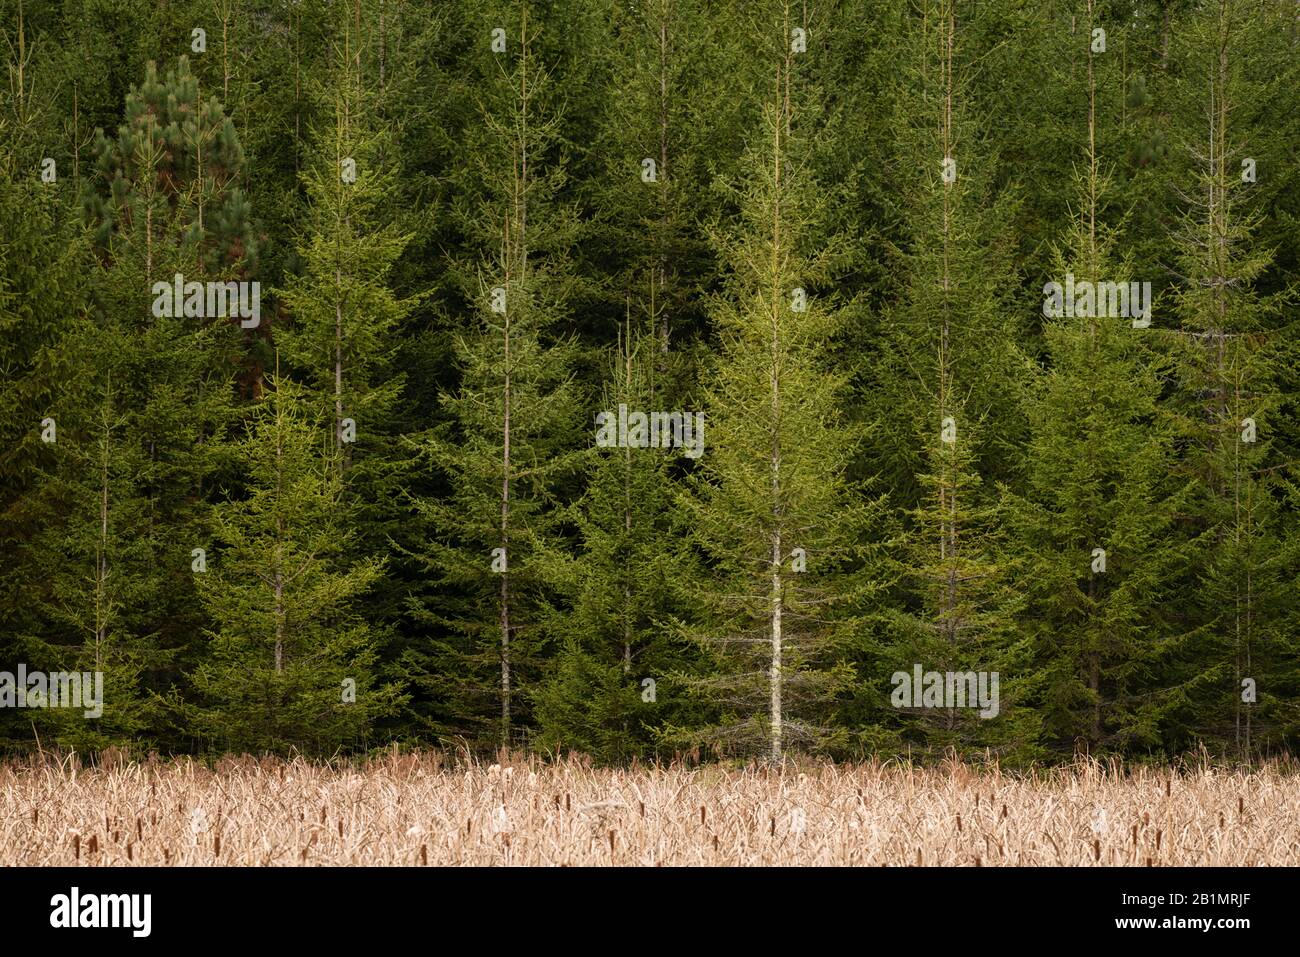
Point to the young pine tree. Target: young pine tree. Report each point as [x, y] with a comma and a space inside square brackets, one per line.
[175, 162]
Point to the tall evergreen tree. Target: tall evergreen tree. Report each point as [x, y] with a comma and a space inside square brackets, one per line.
[46, 366]
[1096, 521]
[602, 695]
[164, 200]
[949, 427]
[97, 556]
[513, 420]
[345, 319]
[345, 315]
[654, 182]
[768, 507]
[1232, 660]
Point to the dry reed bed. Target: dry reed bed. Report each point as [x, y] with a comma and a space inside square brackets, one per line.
[417, 810]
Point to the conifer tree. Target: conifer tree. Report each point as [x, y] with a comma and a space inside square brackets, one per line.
[1096, 519]
[43, 371]
[345, 314]
[181, 152]
[168, 183]
[512, 416]
[292, 661]
[768, 505]
[603, 694]
[951, 343]
[1232, 338]
[947, 423]
[345, 320]
[654, 182]
[96, 555]
[163, 200]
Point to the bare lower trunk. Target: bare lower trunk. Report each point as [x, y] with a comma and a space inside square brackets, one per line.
[775, 677]
[279, 623]
[338, 372]
[1094, 682]
[505, 660]
[505, 544]
[101, 565]
[777, 599]
[627, 514]
[280, 534]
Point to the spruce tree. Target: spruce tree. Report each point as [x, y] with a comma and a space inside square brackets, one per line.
[47, 362]
[292, 660]
[768, 506]
[512, 418]
[345, 316]
[1231, 660]
[96, 555]
[653, 183]
[1095, 523]
[948, 424]
[603, 695]
[603, 692]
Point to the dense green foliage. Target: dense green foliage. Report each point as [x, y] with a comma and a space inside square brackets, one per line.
[642, 375]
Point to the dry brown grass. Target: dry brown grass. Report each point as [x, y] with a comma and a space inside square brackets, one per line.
[415, 810]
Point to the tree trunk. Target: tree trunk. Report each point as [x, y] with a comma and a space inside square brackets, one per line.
[505, 545]
[777, 600]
